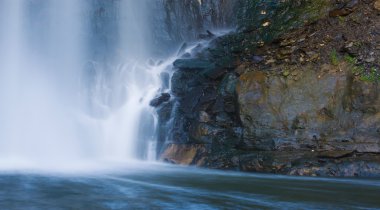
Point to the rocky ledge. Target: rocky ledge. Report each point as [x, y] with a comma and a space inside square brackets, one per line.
[305, 103]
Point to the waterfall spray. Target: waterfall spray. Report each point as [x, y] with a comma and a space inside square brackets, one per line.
[52, 114]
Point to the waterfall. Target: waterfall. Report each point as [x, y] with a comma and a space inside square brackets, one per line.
[63, 102]
[77, 77]
[38, 61]
[122, 87]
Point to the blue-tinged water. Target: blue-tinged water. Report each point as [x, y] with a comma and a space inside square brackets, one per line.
[155, 186]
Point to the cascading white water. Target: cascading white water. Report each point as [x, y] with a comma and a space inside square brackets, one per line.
[126, 110]
[122, 90]
[44, 122]
[38, 82]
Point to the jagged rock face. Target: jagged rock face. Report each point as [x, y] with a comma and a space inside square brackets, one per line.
[319, 112]
[187, 19]
[268, 19]
[282, 123]
[304, 104]
[324, 124]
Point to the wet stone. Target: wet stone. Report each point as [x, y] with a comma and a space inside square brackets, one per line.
[193, 64]
[164, 97]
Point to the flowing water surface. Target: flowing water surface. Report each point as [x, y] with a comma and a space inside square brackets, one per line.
[157, 186]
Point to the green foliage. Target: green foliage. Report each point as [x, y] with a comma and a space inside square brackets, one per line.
[351, 60]
[341, 19]
[372, 75]
[334, 59]
[358, 70]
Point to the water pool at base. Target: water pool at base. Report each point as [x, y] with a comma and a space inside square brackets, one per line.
[158, 186]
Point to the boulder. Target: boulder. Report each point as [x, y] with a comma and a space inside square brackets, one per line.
[184, 154]
[164, 97]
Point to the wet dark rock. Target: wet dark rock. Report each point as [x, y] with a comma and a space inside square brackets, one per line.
[214, 73]
[344, 9]
[208, 35]
[204, 117]
[347, 168]
[241, 69]
[217, 53]
[223, 117]
[164, 97]
[230, 104]
[299, 122]
[218, 105]
[285, 144]
[180, 81]
[209, 94]
[204, 132]
[193, 64]
[228, 85]
[226, 62]
[190, 100]
[186, 55]
[335, 154]
[257, 59]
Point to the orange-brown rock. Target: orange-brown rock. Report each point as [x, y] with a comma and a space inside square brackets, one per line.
[377, 4]
[183, 154]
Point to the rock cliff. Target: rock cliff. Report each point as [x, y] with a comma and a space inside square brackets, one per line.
[296, 91]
